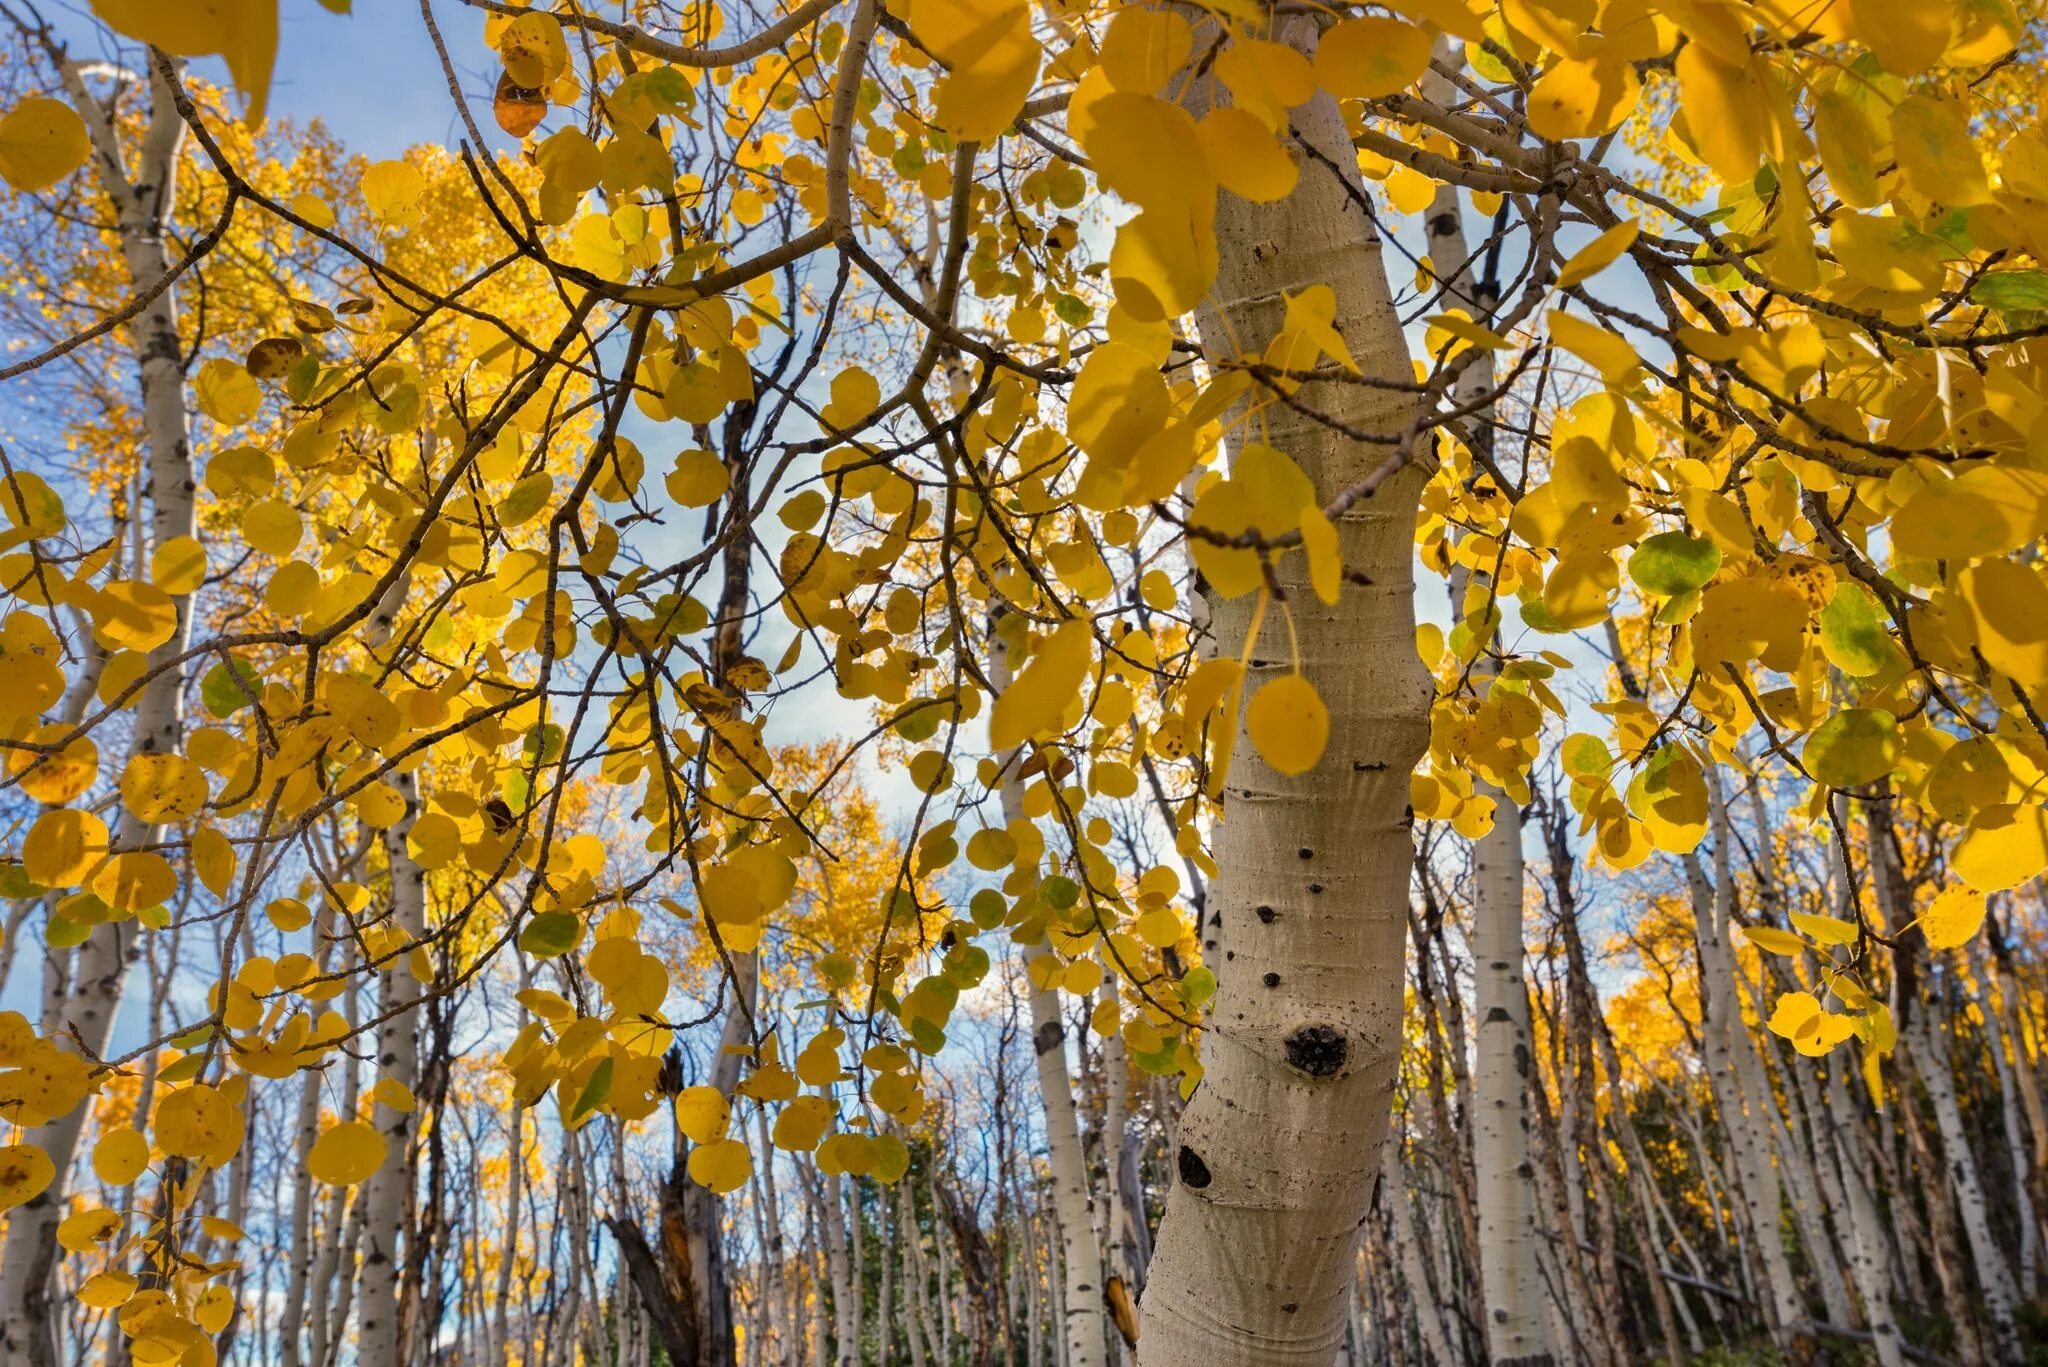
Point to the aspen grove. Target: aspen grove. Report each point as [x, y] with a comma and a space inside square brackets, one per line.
[1069, 683]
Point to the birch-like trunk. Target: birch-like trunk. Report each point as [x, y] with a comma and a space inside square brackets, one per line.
[1924, 1042]
[1869, 1250]
[1081, 1328]
[1509, 1279]
[85, 1005]
[1738, 1099]
[1278, 1151]
[381, 1325]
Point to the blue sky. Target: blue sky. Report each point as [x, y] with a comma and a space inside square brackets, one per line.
[372, 76]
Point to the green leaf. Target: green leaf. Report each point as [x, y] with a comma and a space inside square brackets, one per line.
[1672, 563]
[1853, 633]
[230, 687]
[1198, 985]
[988, 908]
[594, 1091]
[1537, 617]
[1059, 893]
[2010, 290]
[64, 933]
[526, 499]
[1852, 748]
[550, 934]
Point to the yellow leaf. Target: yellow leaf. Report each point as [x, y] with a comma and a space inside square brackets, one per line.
[195, 1121]
[1143, 47]
[389, 1092]
[61, 775]
[1266, 74]
[1370, 58]
[1037, 698]
[698, 480]
[213, 859]
[1906, 39]
[120, 1156]
[1953, 919]
[1607, 352]
[1249, 161]
[1118, 402]
[1826, 930]
[1164, 261]
[347, 1154]
[244, 32]
[135, 881]
[1582, 99]
[87, 1230]
[163, 788]
[41, 142]
[214, 1308]
[107, 1290]
[2009, 602]
[273, 527]
[25, 1170]
[534, 51]
[1147, 150]
[1288, 723]
[227, 393]
[1936, 152]
[178, 567]
[803, 1123]
[395, 192]
[2004, 848]
[1325, 555]
[994, 59]
[1796, 1014]
[1597, 255]
[723, 1165]
[63, 846]
[1725, 112]
[1774, 941]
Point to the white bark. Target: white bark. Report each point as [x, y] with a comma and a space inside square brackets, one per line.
[1997, 1041]
[1506, 1195]
[1279, 1148]
[1081, 1327]
[385, 1197]
[1738, 1099]
[1869, 1250]
[90, 996]
[1929, 1049]
[1422, 1299]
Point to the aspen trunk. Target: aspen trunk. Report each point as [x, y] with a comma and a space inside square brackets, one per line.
[89, 998]
[1925, 1045]
[1279, 1149]
[1869, 1252]
[387, 1197]
[1513, 1290]
[1081, 1328]
[1738, 1102]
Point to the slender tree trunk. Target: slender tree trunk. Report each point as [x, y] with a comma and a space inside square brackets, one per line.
[1513, 1291]
[388, 1196]
[1423, 1298]
[1925, 1044]
[1073, 1198]
[1869, 1250]
[1727, 1048]
[2007, 1062]
[1254, 1262]
[90, 995]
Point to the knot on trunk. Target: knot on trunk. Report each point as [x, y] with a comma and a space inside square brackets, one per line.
[1193, 1171]
[1318, 1050]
